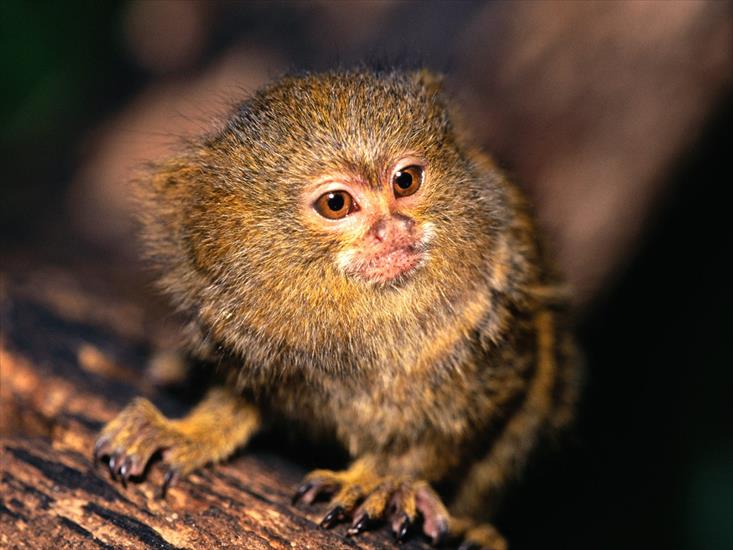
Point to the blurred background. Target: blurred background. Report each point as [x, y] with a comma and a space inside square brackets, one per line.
[615, 116]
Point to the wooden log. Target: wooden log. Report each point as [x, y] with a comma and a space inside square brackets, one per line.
[64, 371]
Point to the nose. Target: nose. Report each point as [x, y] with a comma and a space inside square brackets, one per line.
[379, 230]
[392, 227]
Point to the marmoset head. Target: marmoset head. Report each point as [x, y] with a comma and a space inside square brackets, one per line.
[329, 206]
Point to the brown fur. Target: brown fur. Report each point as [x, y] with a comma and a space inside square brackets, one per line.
[451, 375]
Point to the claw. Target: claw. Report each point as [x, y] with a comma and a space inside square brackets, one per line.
[126, 469]
[359, 525]
[113, 464]
[98, 447]
[171, 476]
[403, 530]
[335, 515]
[441, 534]
[303, 489]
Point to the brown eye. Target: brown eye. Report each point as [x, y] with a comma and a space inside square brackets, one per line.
[334, 205]
[407, 181]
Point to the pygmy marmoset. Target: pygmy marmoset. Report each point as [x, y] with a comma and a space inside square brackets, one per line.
[360, 270]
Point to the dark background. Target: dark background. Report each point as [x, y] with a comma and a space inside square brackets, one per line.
[623, 139]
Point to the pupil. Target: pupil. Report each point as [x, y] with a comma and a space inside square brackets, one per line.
[404, 180]
[335, 202]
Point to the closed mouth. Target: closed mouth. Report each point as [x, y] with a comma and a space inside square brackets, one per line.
[391, 265]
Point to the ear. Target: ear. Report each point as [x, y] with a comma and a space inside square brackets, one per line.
[160, 193]
[432, 82]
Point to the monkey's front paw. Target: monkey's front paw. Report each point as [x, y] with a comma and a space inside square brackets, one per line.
[135, 435]
[365, 500]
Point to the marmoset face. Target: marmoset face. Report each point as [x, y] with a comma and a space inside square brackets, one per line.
[375, 220]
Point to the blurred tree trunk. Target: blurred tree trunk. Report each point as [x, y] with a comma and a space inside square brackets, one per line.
[593, 106]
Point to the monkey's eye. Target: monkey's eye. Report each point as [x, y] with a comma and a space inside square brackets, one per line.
[407, 181]
[335, 205]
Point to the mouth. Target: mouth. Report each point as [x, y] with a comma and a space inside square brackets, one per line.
[388, 266]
